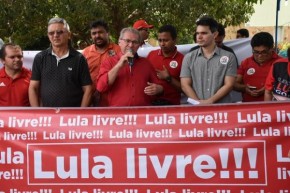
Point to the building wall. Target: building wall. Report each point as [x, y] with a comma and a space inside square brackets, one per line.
[265, 14]
[264, 19]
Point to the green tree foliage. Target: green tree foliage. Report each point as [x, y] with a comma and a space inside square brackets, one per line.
[25, 21]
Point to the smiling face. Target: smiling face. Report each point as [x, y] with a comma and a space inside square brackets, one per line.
[58, 35]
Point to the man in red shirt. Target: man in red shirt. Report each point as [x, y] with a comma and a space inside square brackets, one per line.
[129, 79]
[253, 71]
[167, 62]
[96, 53]
[14, 79]
[277, 86]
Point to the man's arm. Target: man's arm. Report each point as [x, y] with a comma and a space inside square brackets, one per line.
[88, 91]
[153, 89]
[113, 73]
[33, 92]
[241, 87]
[229, 82]
[186, 86]
[239, 84]
[268, 96]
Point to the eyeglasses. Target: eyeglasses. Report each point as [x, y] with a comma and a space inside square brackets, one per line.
[57, 32]
[134, 42]
[263, 52]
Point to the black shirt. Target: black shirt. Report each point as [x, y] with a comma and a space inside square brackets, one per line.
[61, 82]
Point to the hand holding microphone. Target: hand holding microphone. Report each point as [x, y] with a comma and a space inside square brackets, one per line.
[130, 59]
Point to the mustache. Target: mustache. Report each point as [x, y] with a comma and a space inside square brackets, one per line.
[98, 39]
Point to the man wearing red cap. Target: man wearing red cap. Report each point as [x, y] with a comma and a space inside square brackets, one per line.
[143, 27]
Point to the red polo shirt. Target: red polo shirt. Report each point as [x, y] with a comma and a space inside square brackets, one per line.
[173, 64]
[255, 74]
[14, 92]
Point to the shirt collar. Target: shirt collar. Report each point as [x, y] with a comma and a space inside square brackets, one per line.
[216, 51]
[59, 58]
[4, 74]
[172, 55]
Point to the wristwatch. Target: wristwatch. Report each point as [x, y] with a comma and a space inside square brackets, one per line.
[168, 79]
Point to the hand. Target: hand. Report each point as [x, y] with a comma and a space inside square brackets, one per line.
[162, 74]
[124, 58]
[207, 101]
[153, 89]
[255, 92]
[261, 91]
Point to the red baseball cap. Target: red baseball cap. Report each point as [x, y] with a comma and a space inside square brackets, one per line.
[139, 24]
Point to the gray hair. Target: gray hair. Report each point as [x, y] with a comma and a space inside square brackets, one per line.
[131, 30]
[59, 20]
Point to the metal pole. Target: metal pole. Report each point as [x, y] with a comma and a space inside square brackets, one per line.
[276, 26]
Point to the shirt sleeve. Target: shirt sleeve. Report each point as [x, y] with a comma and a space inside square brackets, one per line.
[232, 66]
[102, 79]
[153, 74]
[36, 68]
[185, 67]
[241, 69]
[270, 79]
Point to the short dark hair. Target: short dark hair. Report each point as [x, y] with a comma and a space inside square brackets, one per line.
[3, 49]
[99, 23]
[208, 21]
[221, 30]
[262, 39]
[244, 32]
[169, 28]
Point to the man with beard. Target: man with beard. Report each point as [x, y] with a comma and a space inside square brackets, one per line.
[208, 73]
[96, 53]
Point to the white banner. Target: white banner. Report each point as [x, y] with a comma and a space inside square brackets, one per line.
[241, 47]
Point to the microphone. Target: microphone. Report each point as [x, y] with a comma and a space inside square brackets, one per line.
[130, 59]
